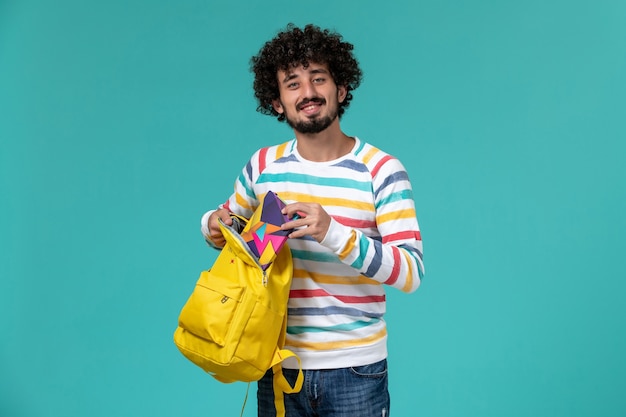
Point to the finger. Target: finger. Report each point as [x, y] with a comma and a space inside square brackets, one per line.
[292, 224]
[224, 215]
[295, 210]
[297, 233]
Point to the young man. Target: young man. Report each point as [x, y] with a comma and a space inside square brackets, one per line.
[357, 229]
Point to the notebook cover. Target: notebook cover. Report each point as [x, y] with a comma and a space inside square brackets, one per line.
[262, 233]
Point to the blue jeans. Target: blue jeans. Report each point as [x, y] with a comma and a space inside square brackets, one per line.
[359, 391]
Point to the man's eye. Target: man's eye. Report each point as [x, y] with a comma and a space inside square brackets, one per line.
[318, 80]
[292, 85]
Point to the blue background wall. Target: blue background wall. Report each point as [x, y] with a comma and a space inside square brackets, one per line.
[121, 122]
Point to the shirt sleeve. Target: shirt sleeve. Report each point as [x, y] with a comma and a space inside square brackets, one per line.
[240, 201]
[395, 257]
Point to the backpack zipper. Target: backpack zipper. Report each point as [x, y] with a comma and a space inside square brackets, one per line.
[247, 249]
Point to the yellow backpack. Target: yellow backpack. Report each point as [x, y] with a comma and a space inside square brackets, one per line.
[233, 325]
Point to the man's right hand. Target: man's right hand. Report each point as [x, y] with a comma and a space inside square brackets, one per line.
[215, 232]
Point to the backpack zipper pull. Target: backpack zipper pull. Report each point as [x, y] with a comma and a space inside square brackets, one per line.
[264, 281]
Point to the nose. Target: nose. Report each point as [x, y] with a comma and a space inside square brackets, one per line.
[308, 90]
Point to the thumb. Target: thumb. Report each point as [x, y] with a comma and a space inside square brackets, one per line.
[226, 218]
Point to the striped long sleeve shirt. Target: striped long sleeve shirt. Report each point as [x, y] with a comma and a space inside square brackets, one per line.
[337, 299]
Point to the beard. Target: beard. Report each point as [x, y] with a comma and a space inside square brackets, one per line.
[315, 125]
[311, 126]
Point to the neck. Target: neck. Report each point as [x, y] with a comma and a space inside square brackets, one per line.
[328, 145]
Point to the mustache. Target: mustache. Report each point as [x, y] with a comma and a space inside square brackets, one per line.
[315, 100]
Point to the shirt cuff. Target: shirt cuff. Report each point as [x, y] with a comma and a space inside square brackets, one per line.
[337, 236]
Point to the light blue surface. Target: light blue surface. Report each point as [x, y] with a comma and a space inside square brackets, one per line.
[122, 122]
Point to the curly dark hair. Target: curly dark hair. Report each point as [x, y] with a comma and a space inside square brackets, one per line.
[293, 47]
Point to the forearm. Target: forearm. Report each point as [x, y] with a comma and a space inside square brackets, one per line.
[398, 263]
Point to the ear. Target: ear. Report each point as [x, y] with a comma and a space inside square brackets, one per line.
[342, 92]
[278, 106]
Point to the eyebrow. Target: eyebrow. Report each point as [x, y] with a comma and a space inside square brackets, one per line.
[289, 77]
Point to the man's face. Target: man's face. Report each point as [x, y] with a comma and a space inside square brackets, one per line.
[309, 97]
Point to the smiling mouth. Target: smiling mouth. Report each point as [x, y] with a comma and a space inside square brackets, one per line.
[310, 105]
